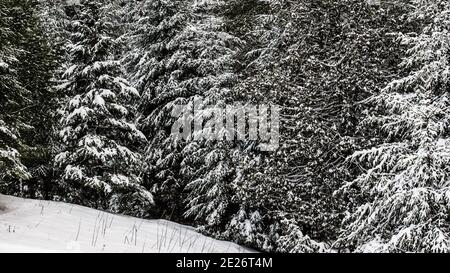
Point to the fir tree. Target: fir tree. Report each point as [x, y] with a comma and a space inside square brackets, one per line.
[179, 58]
[210, 163]
[155, 26]
[314, 59]
[100, 156]
[12, 98]
[403, 186]
[35, 71]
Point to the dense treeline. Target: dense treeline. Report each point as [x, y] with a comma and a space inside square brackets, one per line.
[88, 88]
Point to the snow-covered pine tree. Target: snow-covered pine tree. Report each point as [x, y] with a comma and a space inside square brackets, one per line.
[345, 54]
[178, 58]
[100, 157]
[155, 24]
[313, 58]
[245, 219]
[404, 184]
[211, 164]
[12, 98]
[35, 70]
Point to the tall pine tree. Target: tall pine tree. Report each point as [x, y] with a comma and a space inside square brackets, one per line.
[13, 96]
[100, 156]
[35, 71]
[178, 58]
[404, 183]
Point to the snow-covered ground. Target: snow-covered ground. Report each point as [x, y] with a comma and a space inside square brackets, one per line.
[43, 226]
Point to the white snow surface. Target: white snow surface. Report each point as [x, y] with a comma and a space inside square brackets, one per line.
[43, 226]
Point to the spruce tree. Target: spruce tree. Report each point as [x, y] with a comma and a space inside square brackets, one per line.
[210, 162]
[12, 99]
[155, 28]
[100, 157]
[403, 184]
[314, 59]
[35, 70]
[178, 58]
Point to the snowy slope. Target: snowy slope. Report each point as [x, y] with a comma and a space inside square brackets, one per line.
[43, 226]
